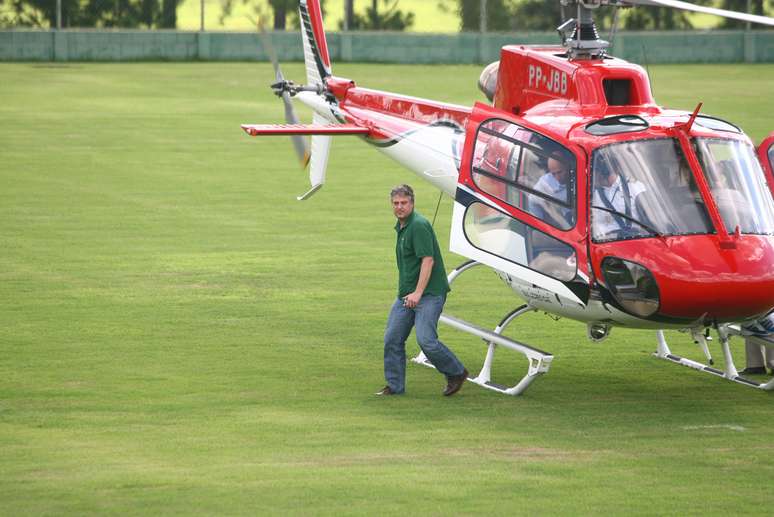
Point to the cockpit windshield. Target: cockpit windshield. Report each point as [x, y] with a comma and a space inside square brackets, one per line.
[644, 188]
[738, 185]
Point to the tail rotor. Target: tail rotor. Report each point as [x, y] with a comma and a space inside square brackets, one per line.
[282, 89]
[314, 94]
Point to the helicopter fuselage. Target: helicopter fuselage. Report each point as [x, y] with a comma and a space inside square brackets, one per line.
[687, 254]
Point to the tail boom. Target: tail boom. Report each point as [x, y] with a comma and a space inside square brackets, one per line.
[316, 56]
[303, 129]
[424, 136]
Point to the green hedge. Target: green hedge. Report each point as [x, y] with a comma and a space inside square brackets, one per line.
[96, 45]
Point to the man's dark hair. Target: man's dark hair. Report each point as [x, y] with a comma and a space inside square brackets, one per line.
[404, 191]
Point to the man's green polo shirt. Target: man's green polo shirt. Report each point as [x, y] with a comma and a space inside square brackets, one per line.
[417, 240]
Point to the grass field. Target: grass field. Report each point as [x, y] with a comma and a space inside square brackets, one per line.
[180, 336]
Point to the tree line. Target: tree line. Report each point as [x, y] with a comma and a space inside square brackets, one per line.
[501, 15]
[155, 14]
[545, 15]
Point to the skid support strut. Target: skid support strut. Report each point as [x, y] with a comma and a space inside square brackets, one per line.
[539, 361]
[728, 372]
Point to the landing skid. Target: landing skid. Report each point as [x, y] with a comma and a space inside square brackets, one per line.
[729, 372]
[539, 361]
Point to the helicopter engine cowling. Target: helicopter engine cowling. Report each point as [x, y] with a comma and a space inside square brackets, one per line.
[487, 81]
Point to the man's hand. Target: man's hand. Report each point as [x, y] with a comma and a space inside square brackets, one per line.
[425, 269]
[411, 300]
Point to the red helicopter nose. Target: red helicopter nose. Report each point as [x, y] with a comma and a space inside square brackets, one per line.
[691, 277]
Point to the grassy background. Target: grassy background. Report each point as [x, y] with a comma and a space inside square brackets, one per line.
[179, 335]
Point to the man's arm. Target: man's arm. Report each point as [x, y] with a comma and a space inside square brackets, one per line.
[425, 270]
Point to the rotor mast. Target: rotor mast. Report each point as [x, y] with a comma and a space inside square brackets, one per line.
[579, 35]
[580, 38]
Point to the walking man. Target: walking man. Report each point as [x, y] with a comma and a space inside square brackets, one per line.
[422, 289]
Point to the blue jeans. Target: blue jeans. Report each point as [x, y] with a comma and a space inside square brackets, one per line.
[424, 317]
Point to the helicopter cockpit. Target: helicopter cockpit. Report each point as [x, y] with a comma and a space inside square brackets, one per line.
[738, 185]
[645, 188]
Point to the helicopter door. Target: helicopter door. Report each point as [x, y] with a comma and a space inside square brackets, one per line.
[766, 156]
[520, 207]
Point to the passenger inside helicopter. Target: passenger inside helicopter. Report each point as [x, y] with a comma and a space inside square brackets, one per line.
[734, 209]
[551, 256]
[554, 184]
[515, 165]
[532, 173]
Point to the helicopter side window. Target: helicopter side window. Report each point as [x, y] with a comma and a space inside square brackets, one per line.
[738, 185]
[771, 157]
[527, 171]
[644, 188]
[493, 231]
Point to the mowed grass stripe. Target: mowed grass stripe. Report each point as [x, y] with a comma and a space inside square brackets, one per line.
[179, 335]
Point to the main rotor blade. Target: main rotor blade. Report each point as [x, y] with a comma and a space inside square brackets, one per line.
[677, 4]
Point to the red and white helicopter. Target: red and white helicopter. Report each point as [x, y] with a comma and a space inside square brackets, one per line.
[589, 200]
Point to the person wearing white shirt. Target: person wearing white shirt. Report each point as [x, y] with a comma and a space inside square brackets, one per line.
[614, 199]
[554, 184]
[550, 257]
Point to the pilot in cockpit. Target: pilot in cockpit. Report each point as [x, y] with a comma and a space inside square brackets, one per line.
[615, 201]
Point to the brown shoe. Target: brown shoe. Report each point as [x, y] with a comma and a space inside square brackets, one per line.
[385, 391]
[455, 383]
